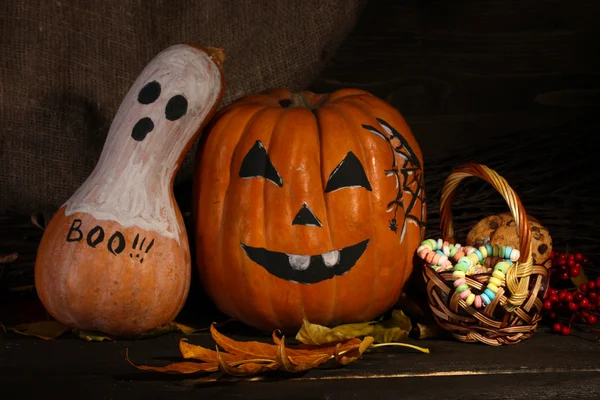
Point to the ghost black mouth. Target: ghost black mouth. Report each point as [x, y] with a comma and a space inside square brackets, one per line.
[304, 268]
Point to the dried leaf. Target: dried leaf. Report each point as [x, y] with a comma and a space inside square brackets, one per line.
[168, 328]
[299, 363]
[252, 357]
[250, 367]
[186, 367]
[46, 330]
[195, 352]
[579, 279]
[384, 331]
[411, 346]
[394, 329]
[309, 350]
[250, 349]
[186, 329]
[315, 334]
[353, 354]
[9, 258]
[92, 336]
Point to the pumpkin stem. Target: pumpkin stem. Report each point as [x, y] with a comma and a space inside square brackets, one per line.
[300, 100]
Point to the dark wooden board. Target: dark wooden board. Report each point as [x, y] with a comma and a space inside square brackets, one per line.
[546, 366]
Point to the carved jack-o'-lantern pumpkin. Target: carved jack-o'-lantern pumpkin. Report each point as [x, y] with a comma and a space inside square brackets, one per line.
[115, 257]
[307, 206]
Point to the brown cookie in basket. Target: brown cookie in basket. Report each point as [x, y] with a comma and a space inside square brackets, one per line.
[501, 230]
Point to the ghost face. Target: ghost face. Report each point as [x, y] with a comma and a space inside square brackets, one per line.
[166, 105]
[156, 123]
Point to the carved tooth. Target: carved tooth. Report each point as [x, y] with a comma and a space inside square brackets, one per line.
[331, 258]
[299, 262]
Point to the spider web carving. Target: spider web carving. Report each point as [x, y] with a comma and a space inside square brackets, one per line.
[405, 164]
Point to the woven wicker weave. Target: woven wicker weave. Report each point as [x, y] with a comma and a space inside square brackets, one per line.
[515, 312]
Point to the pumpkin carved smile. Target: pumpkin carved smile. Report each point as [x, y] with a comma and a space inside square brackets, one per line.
[307, 269]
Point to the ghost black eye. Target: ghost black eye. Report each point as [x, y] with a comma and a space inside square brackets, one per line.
[348, 173]
[149, 93]
[176, 107]
[258, 164]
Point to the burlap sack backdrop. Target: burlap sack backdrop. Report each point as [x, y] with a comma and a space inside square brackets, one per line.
[66, 66]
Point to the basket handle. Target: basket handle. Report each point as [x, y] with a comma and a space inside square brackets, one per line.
[517, 277]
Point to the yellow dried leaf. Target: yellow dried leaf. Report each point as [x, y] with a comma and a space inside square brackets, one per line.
[395, 329]
[9, 258]
[353, 354]
[315, 334]
[44, 330]
[186, 329]
[92, 336]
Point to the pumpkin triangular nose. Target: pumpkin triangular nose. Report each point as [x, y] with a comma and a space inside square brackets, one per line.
[306, 217]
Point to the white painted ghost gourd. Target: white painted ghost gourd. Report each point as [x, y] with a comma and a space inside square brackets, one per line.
[115, 257]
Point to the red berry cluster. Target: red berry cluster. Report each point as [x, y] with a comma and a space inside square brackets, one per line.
[567, 266]
[571, 306]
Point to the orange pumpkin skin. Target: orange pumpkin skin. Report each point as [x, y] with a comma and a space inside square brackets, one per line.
[77, 290]
[312, 200]
[115, 257]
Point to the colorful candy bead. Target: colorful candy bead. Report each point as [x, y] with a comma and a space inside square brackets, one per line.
[492, 287]
[470, 299]
[478, 302]
[483, 251]
[462, 288]
[495, 281]
[486, 300]
[489, 294]
[466, 293]
[458, 274]
[460, 281]
[502, 266]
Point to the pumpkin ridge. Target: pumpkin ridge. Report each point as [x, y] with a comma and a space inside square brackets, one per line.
[217, 128]
[279, 129]
[359, 139]
[251, 110]
[318, 116]
[373, 102]
[272, 314]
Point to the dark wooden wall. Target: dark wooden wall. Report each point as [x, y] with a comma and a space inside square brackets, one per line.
[467, 70]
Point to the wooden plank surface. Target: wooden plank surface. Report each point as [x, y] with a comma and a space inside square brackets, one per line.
[547, 365]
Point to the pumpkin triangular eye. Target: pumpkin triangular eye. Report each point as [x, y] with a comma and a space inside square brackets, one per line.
[348, 173]
[257, 163]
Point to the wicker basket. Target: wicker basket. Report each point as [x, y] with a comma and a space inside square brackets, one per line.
[514, 313]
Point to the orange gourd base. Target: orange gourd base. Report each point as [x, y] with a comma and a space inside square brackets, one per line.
[309, 206]
[115, 257]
